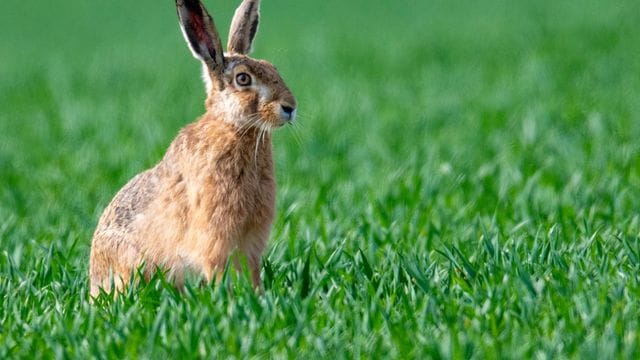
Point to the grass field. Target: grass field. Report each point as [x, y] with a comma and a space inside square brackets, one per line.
[464, 180]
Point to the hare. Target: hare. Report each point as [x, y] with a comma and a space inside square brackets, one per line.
[213, 192]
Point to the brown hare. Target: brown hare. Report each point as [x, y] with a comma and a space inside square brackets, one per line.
[213, 192]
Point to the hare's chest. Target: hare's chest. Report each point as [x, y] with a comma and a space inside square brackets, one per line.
[256, 193]
[235, 198]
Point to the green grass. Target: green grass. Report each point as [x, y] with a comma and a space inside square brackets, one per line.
[464, 181]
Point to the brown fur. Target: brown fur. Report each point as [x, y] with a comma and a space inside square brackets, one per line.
[213, 192]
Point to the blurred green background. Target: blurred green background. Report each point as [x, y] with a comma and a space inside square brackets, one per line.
[463, 181]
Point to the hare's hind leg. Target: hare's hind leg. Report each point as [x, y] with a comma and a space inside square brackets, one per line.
[113, 259]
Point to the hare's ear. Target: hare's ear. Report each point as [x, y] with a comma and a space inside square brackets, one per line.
[244, 27]
[202, 37]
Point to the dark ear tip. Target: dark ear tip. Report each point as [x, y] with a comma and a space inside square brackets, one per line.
[190, 4]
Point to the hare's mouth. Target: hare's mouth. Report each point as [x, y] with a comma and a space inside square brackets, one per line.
[270, 117]
[281, 116]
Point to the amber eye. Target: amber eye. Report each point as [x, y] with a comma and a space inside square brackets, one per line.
[243, 79]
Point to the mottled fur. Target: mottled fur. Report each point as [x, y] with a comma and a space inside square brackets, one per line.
[214, 191]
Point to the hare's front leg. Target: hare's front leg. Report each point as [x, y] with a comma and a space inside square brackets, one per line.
[252, 248]
[213, 260]
[214, 270]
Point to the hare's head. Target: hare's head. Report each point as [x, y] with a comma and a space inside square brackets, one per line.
[244, 90]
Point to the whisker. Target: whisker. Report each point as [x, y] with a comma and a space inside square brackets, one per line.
[297, 134]
[252, 120]
[255, 153]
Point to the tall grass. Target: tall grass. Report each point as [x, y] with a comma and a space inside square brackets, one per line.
[464, 180]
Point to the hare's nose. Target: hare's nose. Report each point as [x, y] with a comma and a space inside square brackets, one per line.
[287, 109]
[288, 112]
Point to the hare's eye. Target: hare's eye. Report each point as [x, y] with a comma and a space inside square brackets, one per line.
[243, 79]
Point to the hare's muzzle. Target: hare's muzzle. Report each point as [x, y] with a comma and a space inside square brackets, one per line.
[287, 113]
